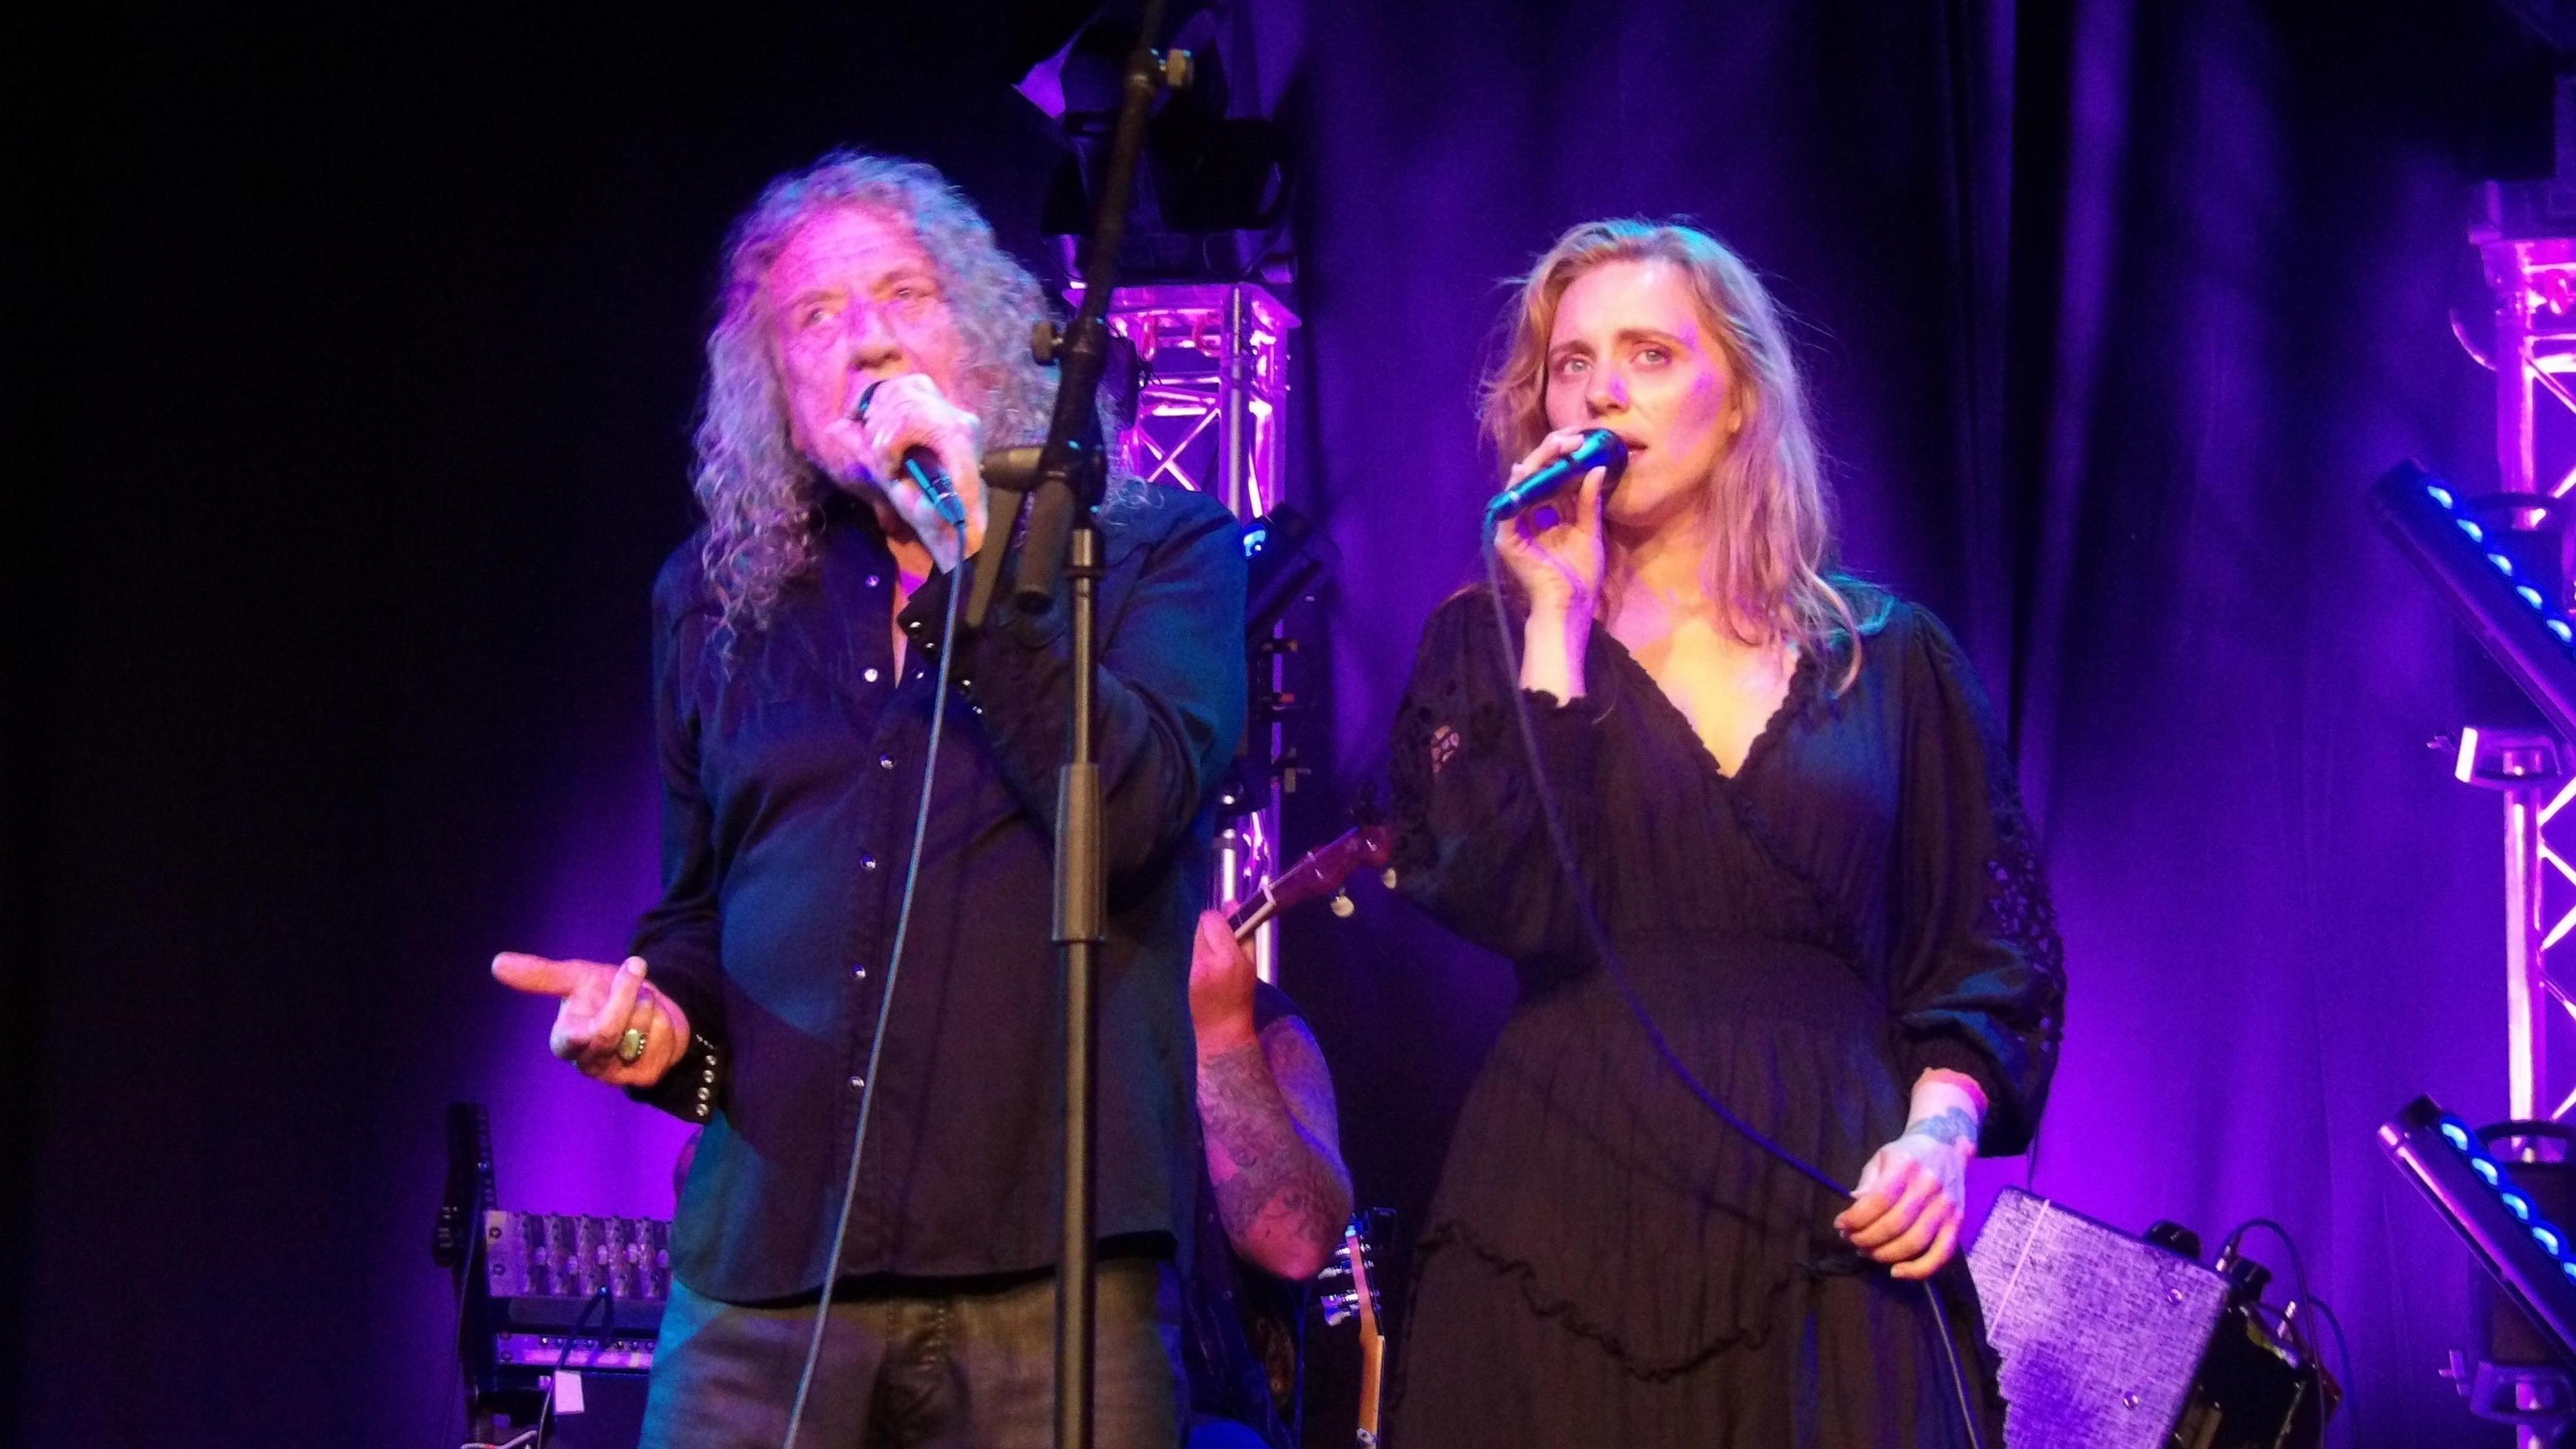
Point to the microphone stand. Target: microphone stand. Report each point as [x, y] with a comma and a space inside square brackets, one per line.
[1060, 539]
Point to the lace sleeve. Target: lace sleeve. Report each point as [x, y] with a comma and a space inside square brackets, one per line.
[1981, 977]
[1471, 846]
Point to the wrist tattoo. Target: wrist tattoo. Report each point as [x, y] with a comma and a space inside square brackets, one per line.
[1949, 1127]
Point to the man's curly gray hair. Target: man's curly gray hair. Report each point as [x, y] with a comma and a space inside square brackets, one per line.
[759, 493]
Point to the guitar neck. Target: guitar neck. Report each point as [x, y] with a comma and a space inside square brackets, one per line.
[1253, 914]
[1372, 1364]
[1314, 878]
[1372, 1335]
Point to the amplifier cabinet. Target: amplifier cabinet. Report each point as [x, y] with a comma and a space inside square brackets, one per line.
[2101, 1333]
[564, 1291]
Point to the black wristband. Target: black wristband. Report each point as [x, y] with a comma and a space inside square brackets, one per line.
[692, 1088]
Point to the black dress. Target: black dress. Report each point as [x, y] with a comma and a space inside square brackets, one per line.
[1605, 1261]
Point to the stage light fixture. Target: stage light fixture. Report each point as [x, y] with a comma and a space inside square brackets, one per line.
[1285, 558]
[2528, 1255]
[2515, 618]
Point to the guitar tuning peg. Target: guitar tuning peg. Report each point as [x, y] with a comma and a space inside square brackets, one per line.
[1342, 906]
[1388, 875]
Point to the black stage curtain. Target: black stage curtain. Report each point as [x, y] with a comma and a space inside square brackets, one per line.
[363, 354]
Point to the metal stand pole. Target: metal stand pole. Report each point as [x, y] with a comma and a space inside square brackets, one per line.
[1081, 893]
[1059, 540]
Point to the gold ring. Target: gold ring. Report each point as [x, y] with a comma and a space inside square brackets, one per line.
[630, 1047]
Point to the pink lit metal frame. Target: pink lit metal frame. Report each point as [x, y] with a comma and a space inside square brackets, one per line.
[1213, 361]
[2534, 355]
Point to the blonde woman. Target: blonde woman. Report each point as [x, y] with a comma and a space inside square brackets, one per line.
[1791, 816]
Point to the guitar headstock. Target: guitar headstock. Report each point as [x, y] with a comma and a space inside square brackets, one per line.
[1351, 1289]
[1319, 874]
[1355, 1264]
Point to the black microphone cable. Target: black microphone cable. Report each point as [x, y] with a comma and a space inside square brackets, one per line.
[1599, 939]
[885, 1004]
[604, 1297]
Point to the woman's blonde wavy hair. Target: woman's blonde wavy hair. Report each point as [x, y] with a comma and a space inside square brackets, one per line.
[1769, 516]
[761, 496]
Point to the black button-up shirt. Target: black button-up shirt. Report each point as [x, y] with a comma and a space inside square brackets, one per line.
[792, 762]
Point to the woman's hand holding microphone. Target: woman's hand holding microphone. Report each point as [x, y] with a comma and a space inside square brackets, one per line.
[1555, 553]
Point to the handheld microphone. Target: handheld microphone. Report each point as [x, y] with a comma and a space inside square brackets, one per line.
[1600, 448]
[922, 465]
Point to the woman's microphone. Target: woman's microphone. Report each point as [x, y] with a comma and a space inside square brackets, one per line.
[923, 467]
[1600, 448]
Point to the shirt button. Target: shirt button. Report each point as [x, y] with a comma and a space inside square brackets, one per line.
[861, 972]
[867, 862]
[858, 1082]
[872, 581]
[869, 674]
[885, 762]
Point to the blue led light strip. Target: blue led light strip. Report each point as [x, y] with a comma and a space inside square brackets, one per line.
[2552, 1239]
[2554, 618]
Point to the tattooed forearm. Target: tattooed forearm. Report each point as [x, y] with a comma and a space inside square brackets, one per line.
[1949, 1127]
[1279, 1193]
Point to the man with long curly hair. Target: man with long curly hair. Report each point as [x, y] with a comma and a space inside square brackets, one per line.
[865, 311]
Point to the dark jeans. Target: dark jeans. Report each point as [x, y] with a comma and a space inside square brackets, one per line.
[966, 1368]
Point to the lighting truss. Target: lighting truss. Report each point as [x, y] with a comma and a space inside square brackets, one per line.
[1212, 392]
[2531, 273]
[2534, 281]
[2466, 549]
